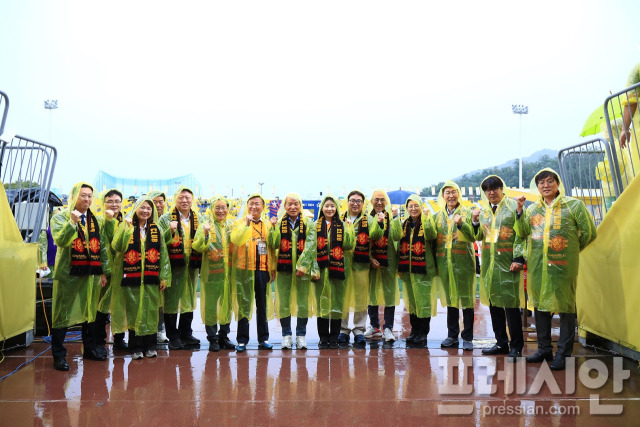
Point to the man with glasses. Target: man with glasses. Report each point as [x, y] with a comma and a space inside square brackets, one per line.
[383, 280]
[179, 226]
[253, 269]
[357, 263]
[501, 284]
[82, 255]
[560, 227]
[110, 202]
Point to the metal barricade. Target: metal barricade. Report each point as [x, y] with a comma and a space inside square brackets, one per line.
[26, 170]
[4, 108]
[624, 129]
[588, 174]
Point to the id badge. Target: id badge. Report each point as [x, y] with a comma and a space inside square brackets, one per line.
[262, 247]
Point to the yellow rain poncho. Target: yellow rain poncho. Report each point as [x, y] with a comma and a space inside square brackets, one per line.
[215, 292]
[243, 264]
[420, 291]
[383, 281]
[75, 298]
[136, 307]
[329, 292]
[500, 246]
[110, 229]
[357, 284]
[455, 255]
[181, 296]
[558, 233]
[293, 294]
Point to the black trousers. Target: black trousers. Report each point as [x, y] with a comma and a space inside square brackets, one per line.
[329, 329]
[58, 335]
[567, 332]
[183, 328]
[453, 324]
[261, 281]
[141, 343]
[419, 325]
[212, 331]
[500, 318]
[101, 330]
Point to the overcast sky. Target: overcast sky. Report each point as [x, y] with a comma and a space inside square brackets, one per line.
[307, 96]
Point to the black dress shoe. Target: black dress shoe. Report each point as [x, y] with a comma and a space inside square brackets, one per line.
[94, 355]
[60, 364]
[558, 364]
[226, 343]
[189, 340]
[539, 356]
[496, 349]
[411, 337]
[420, 339]
[334, 345]
[102, 350]
[323, 344]
[120, 345]
[175, 344]
[214, 345]
[513, 355]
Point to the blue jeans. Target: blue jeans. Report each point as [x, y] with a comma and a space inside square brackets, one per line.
[301, 326]
[389, 312]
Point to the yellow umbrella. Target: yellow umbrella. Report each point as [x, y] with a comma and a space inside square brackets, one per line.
[592, 125]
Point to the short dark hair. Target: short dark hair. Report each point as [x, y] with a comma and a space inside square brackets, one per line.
[187, 190]
[492, 183]
[164, 197]
[86, 186]
[546, 174]
[113, 193]
[355, 192]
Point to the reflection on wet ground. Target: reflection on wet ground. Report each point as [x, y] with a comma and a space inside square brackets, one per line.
[380, 384]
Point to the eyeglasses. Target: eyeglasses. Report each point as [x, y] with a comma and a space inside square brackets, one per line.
[220, 209]
[491, 190]
[113, 202]
[379, 200]
[254, 204]
[450, 193]
[355, 201]
[548, 182]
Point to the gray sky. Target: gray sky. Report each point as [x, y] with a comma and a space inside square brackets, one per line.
[304, 96]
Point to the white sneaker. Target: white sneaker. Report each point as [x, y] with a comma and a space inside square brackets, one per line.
[388, 336]
[287, 342]
[372, 332]
[136, 356]
[150, 353]
[162, 338]
[301, 343]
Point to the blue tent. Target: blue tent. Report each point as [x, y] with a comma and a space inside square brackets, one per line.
[399, 197]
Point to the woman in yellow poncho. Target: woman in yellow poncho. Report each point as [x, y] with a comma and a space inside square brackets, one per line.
[333, 238]
[141, 271]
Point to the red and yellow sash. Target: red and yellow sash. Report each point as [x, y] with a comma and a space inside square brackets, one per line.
[85, 256]
[334, 259]
[285, 255]
[132, 261]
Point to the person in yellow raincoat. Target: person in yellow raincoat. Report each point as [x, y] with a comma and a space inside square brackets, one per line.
[333, 239]
[253, 270]
[501, 281]
[357, 264]
[383, 280]
[295, 241]
[82, 254]
[560, 227]
[456, 265]
[160, 200]
[109, 204]
[417, 269]
[141, 270]
[179, 227]
[212, 240]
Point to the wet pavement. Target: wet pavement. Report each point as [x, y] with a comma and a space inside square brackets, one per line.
[377, 385]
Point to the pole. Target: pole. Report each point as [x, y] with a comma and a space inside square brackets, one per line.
[520, 175]
[520, 110]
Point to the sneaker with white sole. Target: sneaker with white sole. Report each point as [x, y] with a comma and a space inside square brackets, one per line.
[372, 332]
[162, 338]
[137, 355]
[388, 335]
[287, 342]
[151, 353]
[301, 342]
